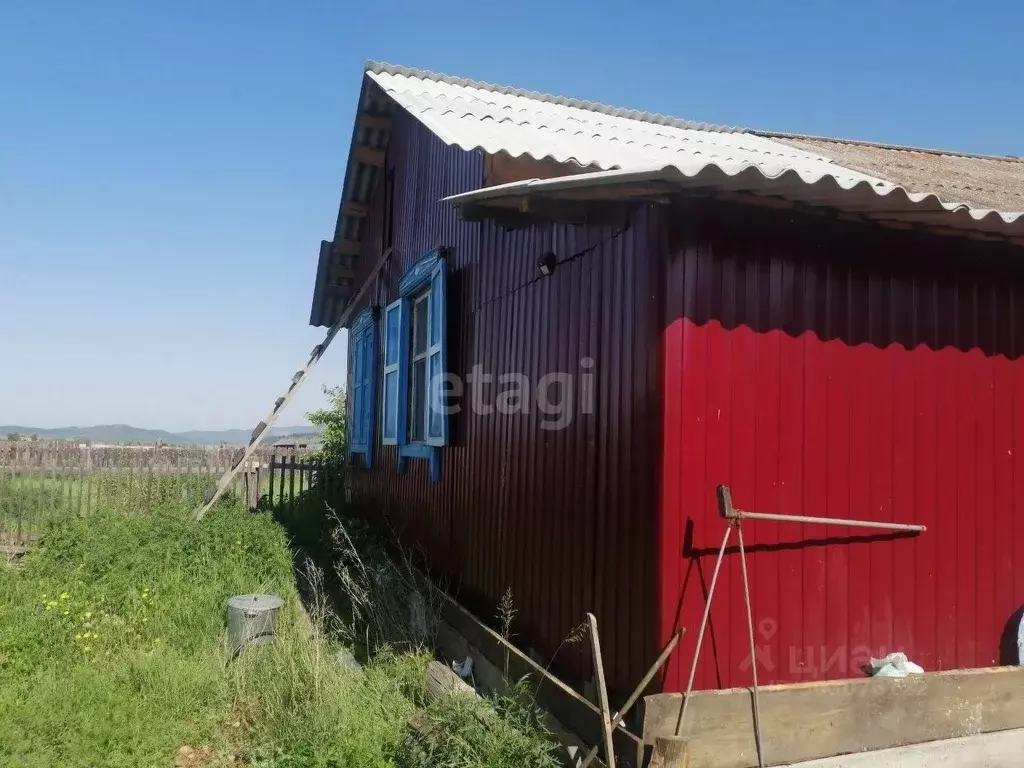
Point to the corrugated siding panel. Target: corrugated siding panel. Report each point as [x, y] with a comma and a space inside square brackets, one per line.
[828, 369]
[564, 518]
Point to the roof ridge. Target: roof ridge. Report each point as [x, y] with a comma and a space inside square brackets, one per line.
[655, 118]
[884, 145]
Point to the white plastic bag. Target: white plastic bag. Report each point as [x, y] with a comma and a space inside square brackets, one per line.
[894, 665]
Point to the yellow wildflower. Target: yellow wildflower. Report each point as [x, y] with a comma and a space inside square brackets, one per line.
[145, 619]
[65, 613]
[78, 636]
[64, 595]
[87, 649]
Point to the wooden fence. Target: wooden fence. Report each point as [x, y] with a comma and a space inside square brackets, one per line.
[43, 481]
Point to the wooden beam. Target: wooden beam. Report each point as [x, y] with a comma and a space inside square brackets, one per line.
[809, 721]
[347, 247]
[490, 680]
[572, 710]
[380, 122]
[297, 381]
[530, 210]
[442, 681]
[369, 155]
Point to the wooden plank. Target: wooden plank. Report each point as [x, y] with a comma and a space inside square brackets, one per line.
[489, 679]
[369, 155]
[575, 712]
[347, 247]
[291, 485]
[809, 721]
[602, 691]
[443, 682]
[272, 469]
[357, 210]
[380, 122]
[276, 411]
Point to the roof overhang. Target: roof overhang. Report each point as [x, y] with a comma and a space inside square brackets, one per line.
[570, 197]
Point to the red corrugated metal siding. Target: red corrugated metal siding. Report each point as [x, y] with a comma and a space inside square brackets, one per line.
[833, 369]
[563, 518]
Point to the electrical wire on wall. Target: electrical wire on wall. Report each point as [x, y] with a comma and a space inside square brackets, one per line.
[549, 262]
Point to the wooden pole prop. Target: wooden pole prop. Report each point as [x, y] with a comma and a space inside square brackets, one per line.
[731, 513]
[753, 650]
[298, 379]
[703, 627]
[734, 518]
[638, 691]
[602, 691]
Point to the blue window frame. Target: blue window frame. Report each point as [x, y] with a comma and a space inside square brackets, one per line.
[363, 342]
[415, 361]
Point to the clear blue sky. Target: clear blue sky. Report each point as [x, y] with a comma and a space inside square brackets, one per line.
[168, 169]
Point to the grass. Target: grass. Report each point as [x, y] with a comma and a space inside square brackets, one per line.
[29, 501]
[113, 653]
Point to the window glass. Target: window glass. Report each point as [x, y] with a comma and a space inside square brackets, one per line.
[392, 329]
[435, 404]
[391, 405]
[421, 307]
[417, 399]
[436, 304]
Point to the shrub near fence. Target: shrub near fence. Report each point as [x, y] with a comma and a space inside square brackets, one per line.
[43, 481]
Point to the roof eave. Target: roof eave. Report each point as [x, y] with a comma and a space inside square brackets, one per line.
[885, 204]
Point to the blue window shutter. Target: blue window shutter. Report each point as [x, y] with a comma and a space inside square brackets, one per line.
[437, 361]
[363, 339]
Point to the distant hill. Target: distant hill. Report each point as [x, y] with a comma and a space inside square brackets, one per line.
[123, 433]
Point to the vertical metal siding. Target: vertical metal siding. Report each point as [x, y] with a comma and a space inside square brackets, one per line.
[829, 369]
[566, 518]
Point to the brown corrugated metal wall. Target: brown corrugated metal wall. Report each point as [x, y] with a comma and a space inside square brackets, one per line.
[564, 518]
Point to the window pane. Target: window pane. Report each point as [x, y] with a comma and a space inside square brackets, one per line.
[436, 388]
[391, 336]
[435, 312]
[419, 326]
[417, 399]
[391, 405]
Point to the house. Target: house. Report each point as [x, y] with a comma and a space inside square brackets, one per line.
[581, 320]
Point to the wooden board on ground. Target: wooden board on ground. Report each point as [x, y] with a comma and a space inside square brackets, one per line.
[574, 721]
[808, 721]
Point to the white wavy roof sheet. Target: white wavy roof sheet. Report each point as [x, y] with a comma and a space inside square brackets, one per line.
[493, 119]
